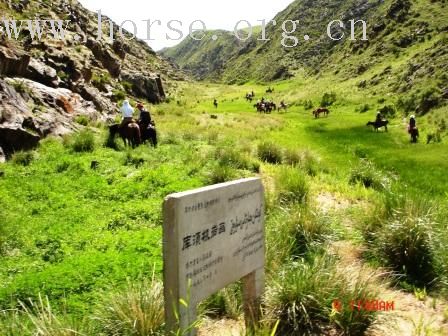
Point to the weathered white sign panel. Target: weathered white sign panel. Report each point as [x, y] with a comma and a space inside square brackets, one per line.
[213, 236]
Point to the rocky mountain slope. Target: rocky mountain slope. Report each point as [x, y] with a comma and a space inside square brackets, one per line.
[47, 85]
[406, 53]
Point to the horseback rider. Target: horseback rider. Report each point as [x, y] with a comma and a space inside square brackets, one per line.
[379, 118]
[145, 117]
[127, 113]
[412, 123]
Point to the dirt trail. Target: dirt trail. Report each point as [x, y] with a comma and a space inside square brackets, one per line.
[411, 316]
[224, 327]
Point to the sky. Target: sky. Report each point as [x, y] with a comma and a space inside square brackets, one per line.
[215, 14]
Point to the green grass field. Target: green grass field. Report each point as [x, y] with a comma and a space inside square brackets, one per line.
[75, 234]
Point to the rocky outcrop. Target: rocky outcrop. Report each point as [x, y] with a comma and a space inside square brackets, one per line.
[42, 73]
[146, 86]
[106, 58]
[13, 62]
[46, 84]
[13, 139]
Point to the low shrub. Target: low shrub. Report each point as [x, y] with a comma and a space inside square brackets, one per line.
[328, 99]
[82, 120]
[83, 141]
[388, 111]
[270, 152]
[235, 158]
[221, 174]
[23, 158]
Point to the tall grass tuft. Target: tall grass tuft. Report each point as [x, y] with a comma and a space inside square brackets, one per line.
[292, 186]
[270, 152]
[138, 310]
[12, 323]
[401, 234]
[367, 174]
[303, 159]
[43, 321]
[302, 297]
[23, 158]
[227, 302]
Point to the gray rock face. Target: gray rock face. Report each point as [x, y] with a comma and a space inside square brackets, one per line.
[42, 73]
[102, 54]
[145, 86]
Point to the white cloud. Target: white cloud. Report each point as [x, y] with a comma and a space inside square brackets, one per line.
[216, 15]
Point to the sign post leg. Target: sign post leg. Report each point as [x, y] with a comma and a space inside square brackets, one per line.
[253, 286]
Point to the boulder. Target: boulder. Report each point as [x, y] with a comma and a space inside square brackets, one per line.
[102, 54]
[145, 86]
[42, 73]
[12, 62]
[14, 139]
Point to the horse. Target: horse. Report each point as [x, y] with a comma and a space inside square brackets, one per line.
[129, 133]
[269, 90]
[249, 97]
[414, 134]
[378, 124]
[282, 106]
[215, 103]
[149, 132]
[320, 110]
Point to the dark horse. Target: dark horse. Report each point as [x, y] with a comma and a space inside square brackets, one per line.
[320, 110]
[414, 134]
[269, 90]
[378, 124]
[130, 134]
[149, 132]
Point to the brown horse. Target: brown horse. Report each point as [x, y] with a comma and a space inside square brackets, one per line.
[320, 110]
[129, 133]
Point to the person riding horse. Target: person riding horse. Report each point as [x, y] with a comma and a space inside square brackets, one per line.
[127, 113]
[379, 117]
[147, 125]
[145, 116]
[412, 129]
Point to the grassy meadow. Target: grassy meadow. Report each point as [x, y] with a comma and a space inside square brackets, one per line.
[80, 248]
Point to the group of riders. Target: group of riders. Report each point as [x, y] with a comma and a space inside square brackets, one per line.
[136, 131]
[265, 105]
[413, 131]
